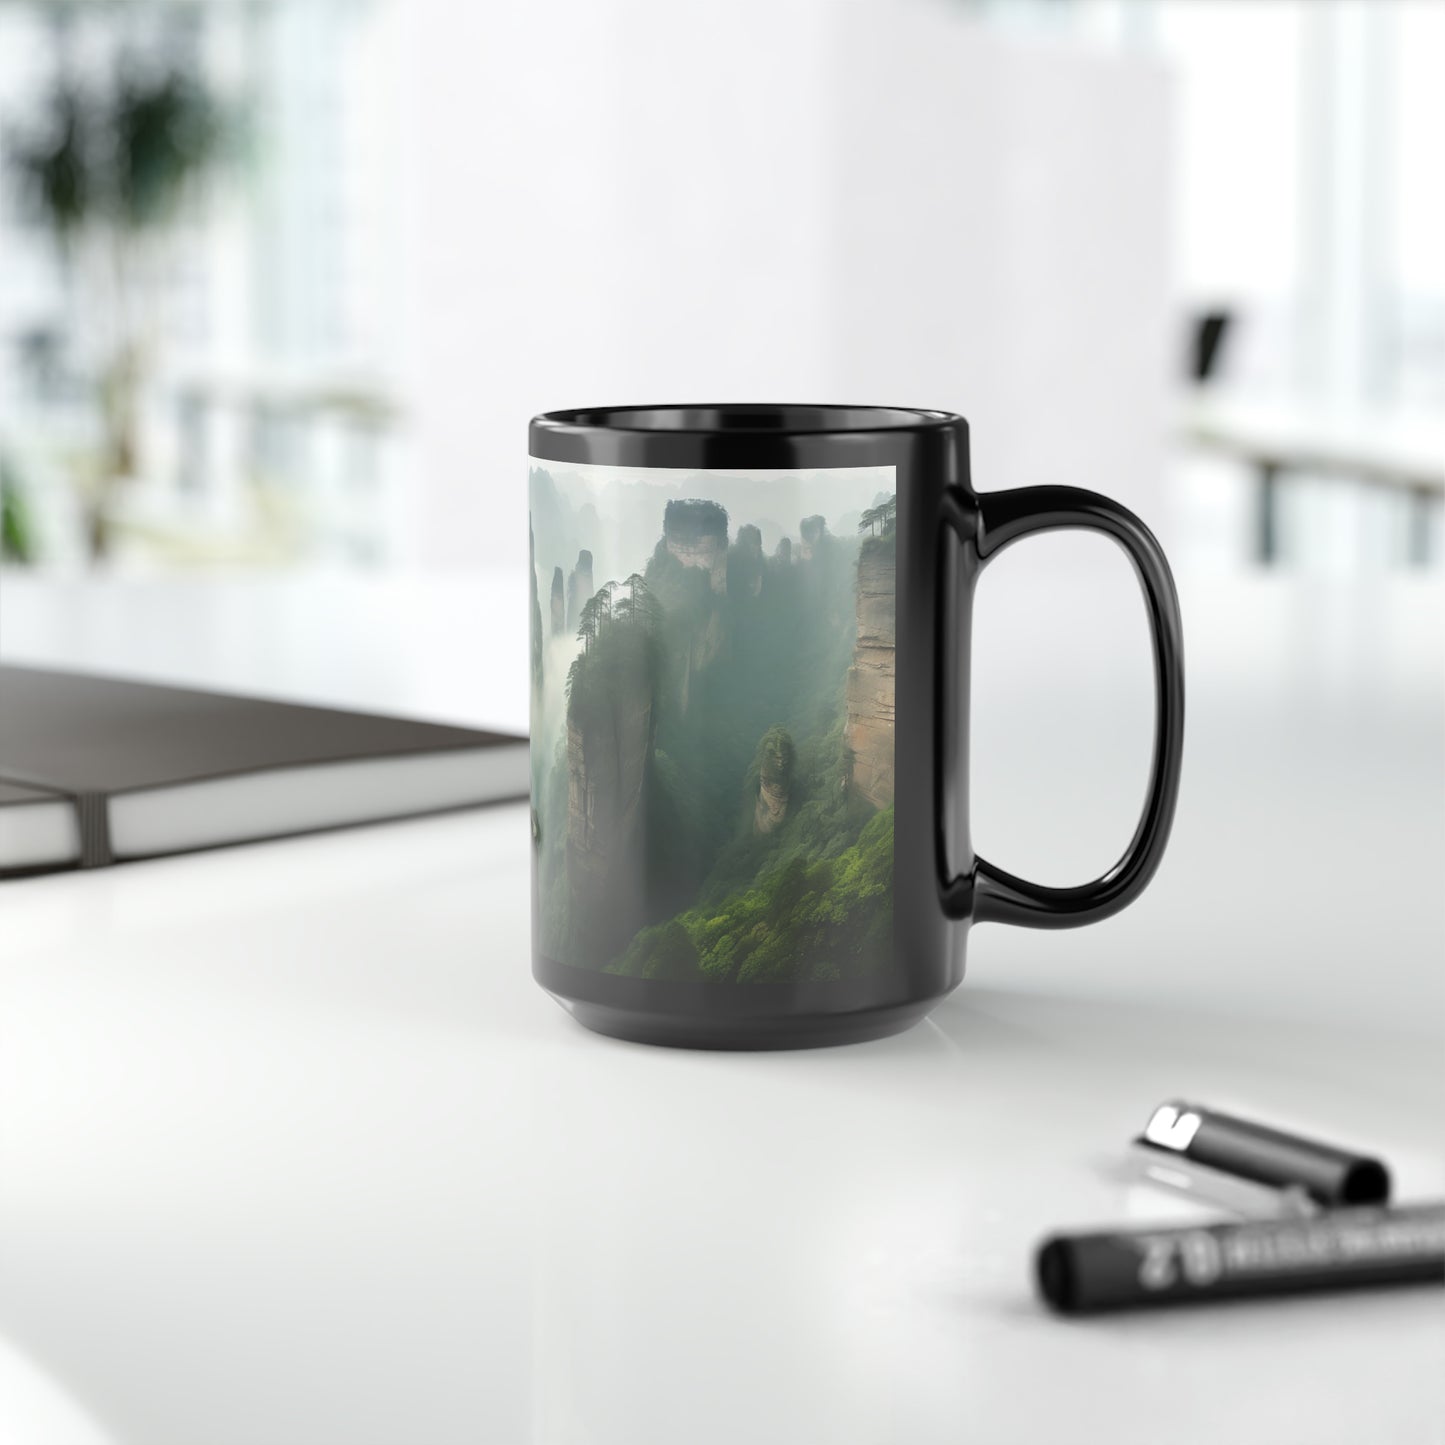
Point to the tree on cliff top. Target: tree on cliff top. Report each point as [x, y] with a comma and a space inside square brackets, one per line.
[880, 520]
[639, 605]
[596, 614]
[627, 622]
[606, 606]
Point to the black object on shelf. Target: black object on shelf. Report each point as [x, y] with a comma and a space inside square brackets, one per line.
[1207, 342]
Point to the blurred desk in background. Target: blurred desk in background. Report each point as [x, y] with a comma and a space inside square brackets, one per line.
[291, 1146]
[1400, 451]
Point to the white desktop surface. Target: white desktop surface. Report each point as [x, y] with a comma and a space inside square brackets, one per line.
[293, 1149]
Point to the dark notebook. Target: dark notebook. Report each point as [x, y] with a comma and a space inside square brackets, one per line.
[97, 770]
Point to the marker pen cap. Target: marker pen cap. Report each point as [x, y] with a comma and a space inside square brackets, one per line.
[1329, 1175]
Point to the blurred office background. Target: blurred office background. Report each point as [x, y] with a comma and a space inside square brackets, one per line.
[281, 280]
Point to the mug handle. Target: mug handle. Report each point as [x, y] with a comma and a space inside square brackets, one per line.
[986, 525]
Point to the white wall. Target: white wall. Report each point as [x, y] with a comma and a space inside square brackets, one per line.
[1002, 215]
[629, 200]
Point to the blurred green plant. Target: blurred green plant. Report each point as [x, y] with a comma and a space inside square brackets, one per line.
[17, 531]
[108, 170]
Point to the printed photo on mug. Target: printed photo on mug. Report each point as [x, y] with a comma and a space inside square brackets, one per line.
[713, 672]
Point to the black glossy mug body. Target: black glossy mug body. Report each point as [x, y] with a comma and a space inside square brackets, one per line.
[750, 645]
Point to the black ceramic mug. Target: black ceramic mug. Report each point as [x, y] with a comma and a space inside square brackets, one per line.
[750, 643]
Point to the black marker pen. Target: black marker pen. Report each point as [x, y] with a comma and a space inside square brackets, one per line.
[1340, 1249]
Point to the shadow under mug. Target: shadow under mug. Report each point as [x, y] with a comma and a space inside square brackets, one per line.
[750, 673]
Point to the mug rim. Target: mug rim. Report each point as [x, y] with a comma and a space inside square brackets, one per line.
[740, 419]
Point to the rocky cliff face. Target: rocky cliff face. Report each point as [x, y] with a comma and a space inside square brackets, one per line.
[580, 588]
[771, 809]
[557, 620]
[784, 552]
[696, 533]
[745, 563]
[702, 648]
[811, 532]
[608, 756]
[536, 625]
[776, 761]
[870, 691]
